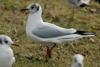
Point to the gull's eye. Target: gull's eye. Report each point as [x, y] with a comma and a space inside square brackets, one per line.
[0, 42]
[75, 60]
[32, 7]
[6, 41]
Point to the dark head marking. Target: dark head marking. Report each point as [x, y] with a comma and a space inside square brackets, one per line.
[75, 60]
[33, 6]
[0, 41]
[37, 8]
[5, 41]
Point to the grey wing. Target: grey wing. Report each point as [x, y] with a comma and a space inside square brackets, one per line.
[74, 2]
[49, 32]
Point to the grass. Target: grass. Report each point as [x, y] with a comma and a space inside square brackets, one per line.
[57, 12]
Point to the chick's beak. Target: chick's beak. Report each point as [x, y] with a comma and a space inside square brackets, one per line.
[25, 9]
[14, 44]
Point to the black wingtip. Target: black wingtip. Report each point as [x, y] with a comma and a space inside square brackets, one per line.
[84, 5]
[85, 33]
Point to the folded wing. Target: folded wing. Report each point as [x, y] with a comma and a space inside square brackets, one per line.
[52, 32]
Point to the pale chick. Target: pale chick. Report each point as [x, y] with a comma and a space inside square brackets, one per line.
[7, 58]
[77, 60]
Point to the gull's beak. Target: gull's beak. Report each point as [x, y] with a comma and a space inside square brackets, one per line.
[25, 9]
[14, 44]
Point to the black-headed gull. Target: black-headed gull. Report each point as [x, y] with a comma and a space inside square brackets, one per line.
[49, 34]
[77, 4]
[77, 60]
[7, 58]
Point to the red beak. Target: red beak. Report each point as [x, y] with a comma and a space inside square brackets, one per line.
[14, 44]
[23, 9]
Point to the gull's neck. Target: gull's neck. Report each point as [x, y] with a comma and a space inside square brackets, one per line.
[35, 19]
[4, 47]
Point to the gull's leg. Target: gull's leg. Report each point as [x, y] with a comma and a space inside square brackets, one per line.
[73, 11]
[47, 52]
[90, 18]
[51, 50]
[72, 15]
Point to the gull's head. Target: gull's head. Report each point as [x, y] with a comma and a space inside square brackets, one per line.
[33, 8]
[77, 60]
[6, 41]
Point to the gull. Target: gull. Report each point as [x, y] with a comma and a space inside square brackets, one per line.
[77, 4]
[46, 33]
[7, 58]
[77, 60]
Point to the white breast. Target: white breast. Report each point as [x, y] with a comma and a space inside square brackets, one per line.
[6, 56]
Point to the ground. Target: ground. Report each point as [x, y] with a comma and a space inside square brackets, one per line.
[13, 23]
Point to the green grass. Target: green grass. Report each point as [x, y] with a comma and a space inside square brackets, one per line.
[57, 12]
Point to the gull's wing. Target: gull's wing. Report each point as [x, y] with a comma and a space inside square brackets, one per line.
[74, 2]
[60, 28]
[51, 32]
[13, 61]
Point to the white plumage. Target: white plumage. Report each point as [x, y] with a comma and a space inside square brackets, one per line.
[7, 58]
[77, 60]
[78, 3]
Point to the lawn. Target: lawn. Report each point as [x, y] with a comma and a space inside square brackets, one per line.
[13, 23]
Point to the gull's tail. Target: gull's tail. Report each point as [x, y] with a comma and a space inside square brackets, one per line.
[84, 5]
[85, 33]
[77, 35]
